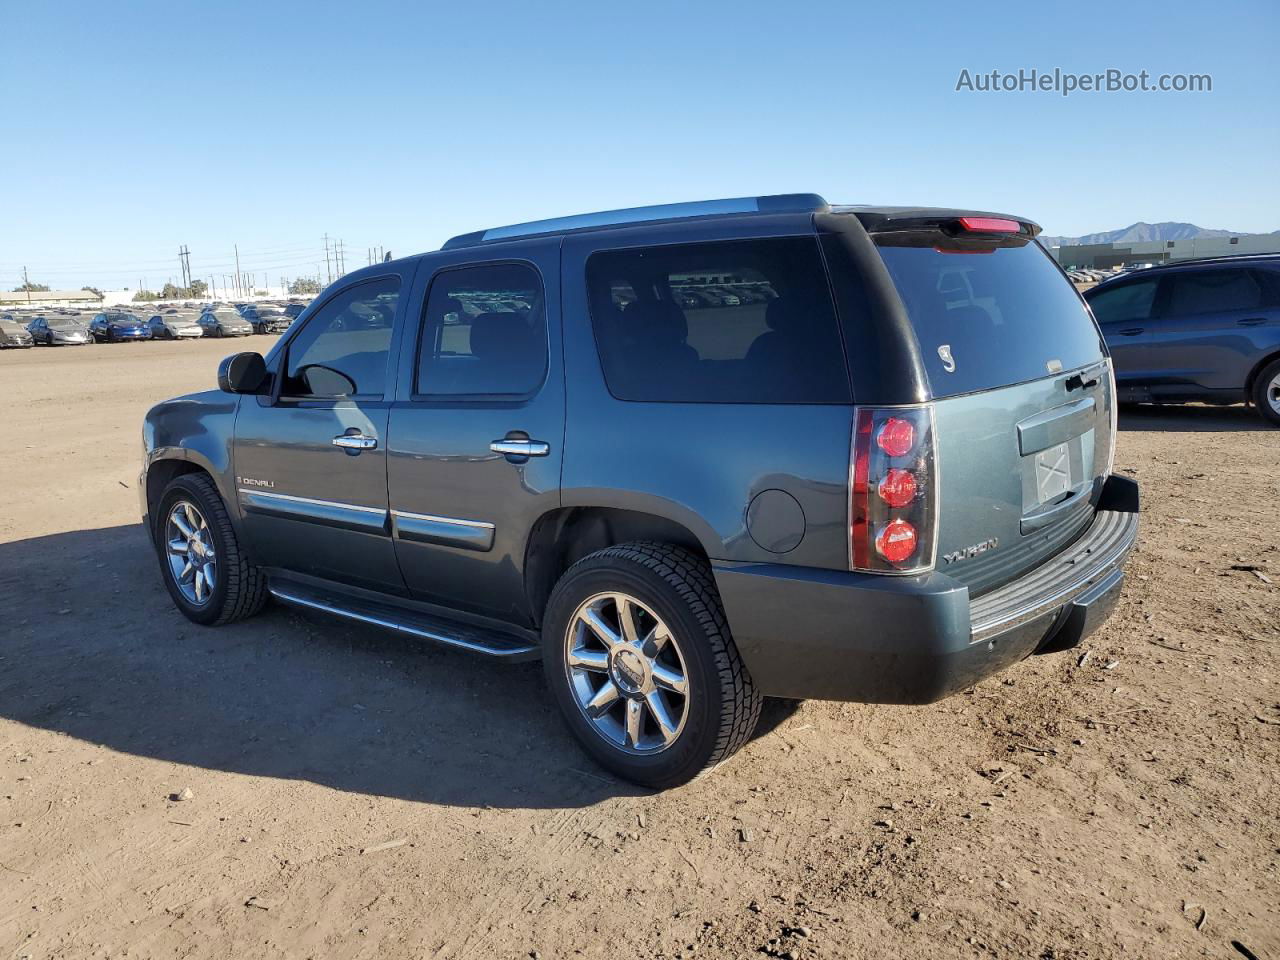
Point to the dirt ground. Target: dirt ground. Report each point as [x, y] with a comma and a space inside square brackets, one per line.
[354, 795]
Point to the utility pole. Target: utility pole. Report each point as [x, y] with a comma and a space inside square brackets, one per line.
[184, 260]
[26, 284]
[328, 272]
[236, 247]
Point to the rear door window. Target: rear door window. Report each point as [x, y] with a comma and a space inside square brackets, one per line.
[484, 333]
[747, 321]
[1212, 291]
[988, 315]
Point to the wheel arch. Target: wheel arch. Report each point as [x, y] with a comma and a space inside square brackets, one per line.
[563, 536]
[1258, 367]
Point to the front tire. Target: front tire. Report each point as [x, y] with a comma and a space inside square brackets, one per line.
[204, 568]
[1266, 392]
[640, 660]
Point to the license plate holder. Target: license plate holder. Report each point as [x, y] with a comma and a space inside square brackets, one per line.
[1053, 472]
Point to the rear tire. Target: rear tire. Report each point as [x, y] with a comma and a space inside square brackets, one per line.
[674, 609]
[239, 588]
[1266, 392]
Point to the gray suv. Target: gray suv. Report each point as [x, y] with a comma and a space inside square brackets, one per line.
[690, 456]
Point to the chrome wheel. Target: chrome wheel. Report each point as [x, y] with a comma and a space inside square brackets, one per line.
[1273, 394]
[627, 673]
[189, 547]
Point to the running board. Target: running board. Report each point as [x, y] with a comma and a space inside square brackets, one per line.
[492, 643]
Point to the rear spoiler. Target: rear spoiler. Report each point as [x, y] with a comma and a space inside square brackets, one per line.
[955, 222]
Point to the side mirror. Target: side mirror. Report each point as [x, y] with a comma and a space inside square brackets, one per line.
[242, 373]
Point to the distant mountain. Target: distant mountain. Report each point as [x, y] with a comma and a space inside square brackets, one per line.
[1141, 232]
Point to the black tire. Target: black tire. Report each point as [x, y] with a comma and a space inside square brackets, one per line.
[240, 588]
[1260, 395]
[677, 585]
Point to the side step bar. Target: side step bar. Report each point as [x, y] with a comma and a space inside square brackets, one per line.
[492, 643]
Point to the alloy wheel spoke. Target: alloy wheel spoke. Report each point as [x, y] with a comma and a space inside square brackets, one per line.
[635, 714]
[188, 571]
[602, 630]
[626, 619]
[589, 660]
[658, 708]
[210, 572]
[185, 528]
[178, 547]
[668, 679]
[655, 641]
[193, 518]
[605, 698]
[198, 584]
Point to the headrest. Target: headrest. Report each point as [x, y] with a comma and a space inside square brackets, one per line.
[658, 320]
[498, 334]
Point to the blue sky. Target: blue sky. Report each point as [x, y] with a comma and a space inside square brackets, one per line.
[132, 128]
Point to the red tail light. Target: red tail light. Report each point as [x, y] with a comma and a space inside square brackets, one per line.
[897, 541]
[892, 490]
[989, 225]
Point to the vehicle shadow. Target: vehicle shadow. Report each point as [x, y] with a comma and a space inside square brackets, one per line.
[1191, 418]
[91, 646]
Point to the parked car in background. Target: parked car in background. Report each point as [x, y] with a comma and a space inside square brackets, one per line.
[13, 334]
[117, 327]
[291, 310]
[175, 326]
[888, 481]
[265, 319]
[1196, 330]
[224, 322]
[59, 331]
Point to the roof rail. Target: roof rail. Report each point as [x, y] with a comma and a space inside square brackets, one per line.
[778, 203]
[1217, 258]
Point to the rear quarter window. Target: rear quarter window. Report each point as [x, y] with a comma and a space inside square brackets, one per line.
[746, 321]
[988, 315]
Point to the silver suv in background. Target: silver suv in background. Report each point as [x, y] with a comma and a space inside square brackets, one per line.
[223, 321]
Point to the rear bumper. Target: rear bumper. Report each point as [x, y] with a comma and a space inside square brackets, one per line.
[832, 635]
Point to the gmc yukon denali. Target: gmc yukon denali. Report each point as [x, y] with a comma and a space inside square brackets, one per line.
[689, 455]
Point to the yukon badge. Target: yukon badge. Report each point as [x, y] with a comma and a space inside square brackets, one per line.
[967, 553]
[948, 362]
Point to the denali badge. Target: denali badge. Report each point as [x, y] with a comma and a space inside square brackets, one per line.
[948, 362]
[250, 482]
[968, 553]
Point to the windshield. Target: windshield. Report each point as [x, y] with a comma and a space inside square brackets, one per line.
[988, 315]
[123, 319]
[62, 323]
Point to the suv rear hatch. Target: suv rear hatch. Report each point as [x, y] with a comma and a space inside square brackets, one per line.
[1022, 390]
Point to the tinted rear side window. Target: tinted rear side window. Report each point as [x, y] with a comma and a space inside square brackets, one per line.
[1003, 313]
[1212, 291]
[484, 332]
[747, 321]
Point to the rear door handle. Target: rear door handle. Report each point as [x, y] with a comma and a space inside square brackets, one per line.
[355, 441]
[1130, 331]
[1252, 321]
[521, 448]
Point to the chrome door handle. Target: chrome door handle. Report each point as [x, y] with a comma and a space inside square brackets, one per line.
[521, 448]
[355, 441]
[1252, 321]
[1131, 331]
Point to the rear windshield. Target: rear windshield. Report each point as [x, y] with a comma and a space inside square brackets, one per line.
[745, 321]
[988, 315]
